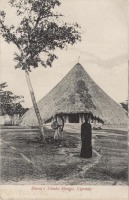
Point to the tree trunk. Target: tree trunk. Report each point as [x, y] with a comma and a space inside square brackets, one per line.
[42, 136]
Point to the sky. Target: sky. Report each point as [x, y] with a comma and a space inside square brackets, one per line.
[103, 50]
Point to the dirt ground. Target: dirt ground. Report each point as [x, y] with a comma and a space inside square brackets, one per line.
[25, 160]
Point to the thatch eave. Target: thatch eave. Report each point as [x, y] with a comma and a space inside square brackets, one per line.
[69, 97]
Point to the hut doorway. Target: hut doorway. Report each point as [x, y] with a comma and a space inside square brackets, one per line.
[74, 118]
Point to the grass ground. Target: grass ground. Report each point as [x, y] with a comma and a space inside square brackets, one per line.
[25, 160]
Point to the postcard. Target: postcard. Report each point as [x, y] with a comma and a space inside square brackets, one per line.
[64, 99]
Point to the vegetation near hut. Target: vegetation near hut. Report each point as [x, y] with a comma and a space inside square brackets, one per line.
[125, 105]
[9, 103]
[39, 31]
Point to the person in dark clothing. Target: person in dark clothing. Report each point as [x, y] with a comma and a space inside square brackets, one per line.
[86, 138]
[60, 121]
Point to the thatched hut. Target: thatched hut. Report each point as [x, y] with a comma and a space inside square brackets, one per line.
[75, 96]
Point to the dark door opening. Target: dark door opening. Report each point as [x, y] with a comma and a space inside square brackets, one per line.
[74, 118]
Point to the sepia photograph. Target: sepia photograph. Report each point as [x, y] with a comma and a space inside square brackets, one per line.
[64, 94]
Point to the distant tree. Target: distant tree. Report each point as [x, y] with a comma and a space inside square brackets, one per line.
[9, 103]
[18, 109]
[15, 108]
[39, 31]
[5, 98]
[125, 105]
[2, 86]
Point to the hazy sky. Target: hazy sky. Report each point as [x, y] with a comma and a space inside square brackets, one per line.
[103, 51]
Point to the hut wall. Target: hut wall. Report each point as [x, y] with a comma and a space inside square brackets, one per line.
[2, 120]
[76, 118]
[5, 120]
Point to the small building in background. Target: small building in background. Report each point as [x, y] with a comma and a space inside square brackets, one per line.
[7, 120]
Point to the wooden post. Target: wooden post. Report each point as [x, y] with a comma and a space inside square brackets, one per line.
[89, 118]
[95, 120]
[83, 118]
[64, 118]
[67, 119]
[80, 118]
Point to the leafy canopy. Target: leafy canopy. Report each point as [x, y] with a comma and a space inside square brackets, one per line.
[9, 103]
[39, 31]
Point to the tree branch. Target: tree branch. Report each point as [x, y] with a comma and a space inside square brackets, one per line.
[29, 17]
[7, 29]
[37, 21]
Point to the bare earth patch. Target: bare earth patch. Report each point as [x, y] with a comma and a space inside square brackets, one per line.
[25, 160]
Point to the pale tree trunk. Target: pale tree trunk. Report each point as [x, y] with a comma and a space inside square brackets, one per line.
[42, 136]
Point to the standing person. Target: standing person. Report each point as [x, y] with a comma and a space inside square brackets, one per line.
[86, 138]
[54, 126]
[60, 122]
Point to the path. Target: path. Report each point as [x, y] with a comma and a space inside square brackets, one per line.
[72, 156]
[74, 153]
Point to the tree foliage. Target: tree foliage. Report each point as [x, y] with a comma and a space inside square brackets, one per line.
[40, 31]
[125, 105]
[9, 103]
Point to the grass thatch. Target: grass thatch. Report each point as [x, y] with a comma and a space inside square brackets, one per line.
[77, 93]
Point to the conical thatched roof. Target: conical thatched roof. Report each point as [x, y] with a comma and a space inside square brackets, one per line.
[77, 93]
